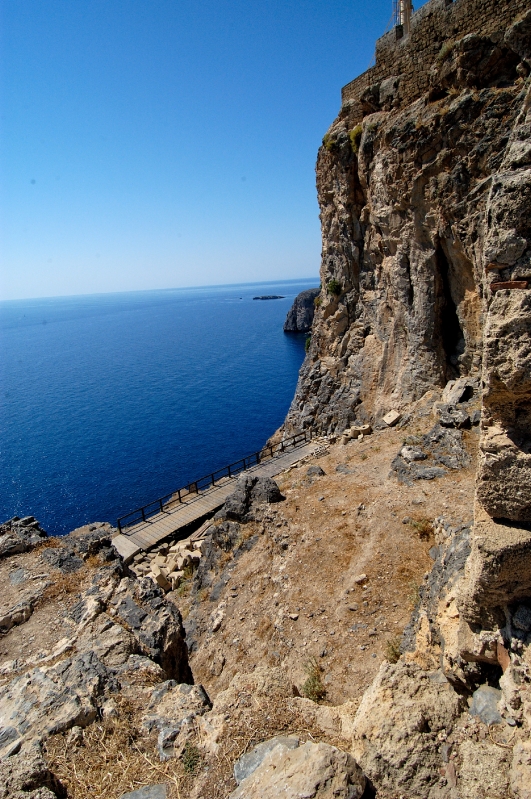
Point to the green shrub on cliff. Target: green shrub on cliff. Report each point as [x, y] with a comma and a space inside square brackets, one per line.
[334, 287]
[307, 344]
[317, 302]
[329, 143]
[355, 138]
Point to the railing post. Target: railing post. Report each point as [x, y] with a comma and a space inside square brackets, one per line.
[160, 505]
[213, 481]
[143, 514]
[228, 468]
[119, 525]
[179, 495]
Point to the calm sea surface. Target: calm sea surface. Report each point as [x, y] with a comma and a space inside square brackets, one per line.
[109, 401]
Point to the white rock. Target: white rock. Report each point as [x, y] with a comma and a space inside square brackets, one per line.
[392, 418]
[315, 770]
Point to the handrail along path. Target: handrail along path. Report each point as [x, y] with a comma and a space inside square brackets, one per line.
[184, 494]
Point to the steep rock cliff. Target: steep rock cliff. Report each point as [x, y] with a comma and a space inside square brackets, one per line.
[424, 204]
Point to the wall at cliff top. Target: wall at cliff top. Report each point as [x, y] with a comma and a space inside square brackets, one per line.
[424, 184]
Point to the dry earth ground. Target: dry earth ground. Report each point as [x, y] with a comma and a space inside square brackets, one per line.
[293, 596]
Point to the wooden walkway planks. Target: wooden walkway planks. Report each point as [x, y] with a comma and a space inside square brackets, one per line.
[145, 535]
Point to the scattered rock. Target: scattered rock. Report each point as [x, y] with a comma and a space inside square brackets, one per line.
[249, 762]
[159, 791]
[250, 491]
[412, 454]
[17, 576]
[344, 469]
[396, 728]
[20, 535]
[315, 471]
[317, 770]
[27, 777]
[62, 558]
[171, 711]
[453, 417]
[440, 449]
[392, 418]
[16, 615]
[460, 390]
[485, 704]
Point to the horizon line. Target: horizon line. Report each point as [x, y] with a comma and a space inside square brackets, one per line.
[170, 288]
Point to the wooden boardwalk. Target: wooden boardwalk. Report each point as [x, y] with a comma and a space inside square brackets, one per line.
[147, 534]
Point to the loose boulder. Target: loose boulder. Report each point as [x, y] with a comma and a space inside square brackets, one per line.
[250, 492]
[315, 771]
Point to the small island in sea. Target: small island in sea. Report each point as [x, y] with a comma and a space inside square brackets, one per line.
[270, 297]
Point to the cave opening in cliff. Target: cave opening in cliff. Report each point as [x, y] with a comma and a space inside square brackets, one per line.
[450, 330]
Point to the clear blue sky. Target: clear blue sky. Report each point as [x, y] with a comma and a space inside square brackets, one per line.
[162, 143]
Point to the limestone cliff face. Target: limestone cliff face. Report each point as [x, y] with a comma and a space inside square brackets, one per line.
[424, 200]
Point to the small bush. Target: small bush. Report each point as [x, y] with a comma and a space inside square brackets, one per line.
[313, 687]
[424, 527]
[317, 302]
[334, 287]
[191, 759]
[355, 138]
[392, 649]
[363, 456]
[329, 143]
[188, 571]
[445, 50]
[307, 344]
[184, 588]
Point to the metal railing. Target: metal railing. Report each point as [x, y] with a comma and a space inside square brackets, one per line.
[161, 505]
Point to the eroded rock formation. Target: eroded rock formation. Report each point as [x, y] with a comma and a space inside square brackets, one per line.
[300, 315]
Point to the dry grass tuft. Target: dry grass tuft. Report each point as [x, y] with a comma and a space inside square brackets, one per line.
[52, 542]
[112, 758]
[69, 583]
[94, 562]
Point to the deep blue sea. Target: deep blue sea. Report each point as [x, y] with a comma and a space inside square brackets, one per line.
[109, 401]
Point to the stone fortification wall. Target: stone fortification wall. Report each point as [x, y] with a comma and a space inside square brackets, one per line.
[436, 24]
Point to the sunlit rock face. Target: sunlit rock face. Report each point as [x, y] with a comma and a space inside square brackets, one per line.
[424, 196]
